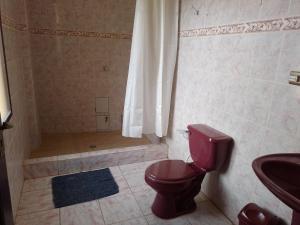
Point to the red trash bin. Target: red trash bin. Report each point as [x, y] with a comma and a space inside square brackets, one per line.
[252, 214]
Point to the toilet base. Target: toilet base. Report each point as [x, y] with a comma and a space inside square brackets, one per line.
[168, 206]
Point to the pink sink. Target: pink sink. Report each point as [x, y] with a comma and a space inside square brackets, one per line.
[280, 173]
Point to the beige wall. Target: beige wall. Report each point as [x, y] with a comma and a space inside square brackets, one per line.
[238, 83]
[25, 132]
[80, 51]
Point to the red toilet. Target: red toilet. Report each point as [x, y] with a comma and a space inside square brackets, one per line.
[177, 182]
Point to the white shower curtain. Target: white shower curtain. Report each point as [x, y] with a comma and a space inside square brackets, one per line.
[151, 68]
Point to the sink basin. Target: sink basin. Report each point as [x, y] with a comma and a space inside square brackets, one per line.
[280, 173]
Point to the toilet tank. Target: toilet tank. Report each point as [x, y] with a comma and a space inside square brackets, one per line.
[209, 147]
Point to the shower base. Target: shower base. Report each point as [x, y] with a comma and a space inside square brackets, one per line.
[65, 154]
[62, 144]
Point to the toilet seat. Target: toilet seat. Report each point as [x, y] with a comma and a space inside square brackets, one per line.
[171, 171]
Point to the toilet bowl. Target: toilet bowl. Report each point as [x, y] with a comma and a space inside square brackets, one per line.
[177, 182]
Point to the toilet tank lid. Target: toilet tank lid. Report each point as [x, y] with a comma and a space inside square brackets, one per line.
[212, 134]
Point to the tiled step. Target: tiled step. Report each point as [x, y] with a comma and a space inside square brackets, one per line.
[65, 164]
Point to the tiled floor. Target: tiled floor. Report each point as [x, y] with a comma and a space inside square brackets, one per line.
[131, 206]
[60, 144]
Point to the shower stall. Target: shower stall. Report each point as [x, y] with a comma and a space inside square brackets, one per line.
[94, 60]
[80, 57]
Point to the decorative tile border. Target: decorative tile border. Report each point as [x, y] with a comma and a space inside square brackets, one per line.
[12, 24]
[290, 23]
[72, 33]
[264, 26]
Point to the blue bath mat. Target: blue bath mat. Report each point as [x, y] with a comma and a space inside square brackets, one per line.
[83, 187]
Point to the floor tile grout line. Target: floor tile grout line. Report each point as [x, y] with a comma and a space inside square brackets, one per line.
[121, 175]
[126, 220]
[59, 214]
[134, 197]
[39, 211]
[44, 189]
[35, 212]
[130, 188]
[122, 220]
[99, 207]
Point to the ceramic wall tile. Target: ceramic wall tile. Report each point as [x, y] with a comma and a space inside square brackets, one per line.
[265, 63]
[247, 92]
[91, 16]
[24, 133]
[15, 10]
[287, 212]
[80, 50]
[193, 14]
[98, 162]
[264, 197]
[254, 102]
[40, 13]
[134, 167]
[258, 101]
[69, 166]
[288, 57]
[294, 7]
[284, 110]
[216, 15]
[131, 156]
[251, 12]
[274, 9]
[155, 152]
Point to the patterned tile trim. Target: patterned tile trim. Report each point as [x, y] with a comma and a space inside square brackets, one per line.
[71, 33]
[290, 23]
[12, 24]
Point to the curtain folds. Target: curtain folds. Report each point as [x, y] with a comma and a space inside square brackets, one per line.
[151, 68]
